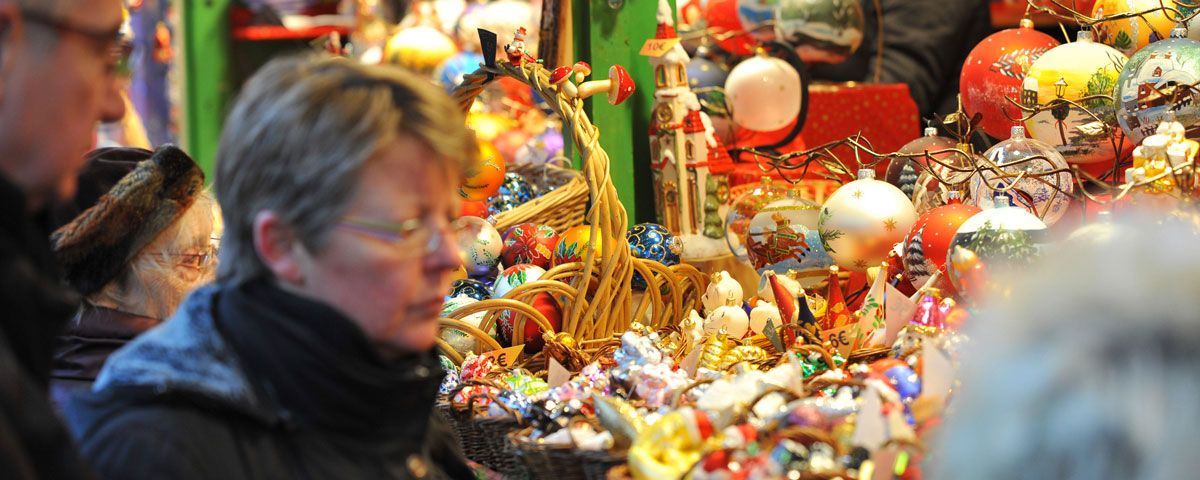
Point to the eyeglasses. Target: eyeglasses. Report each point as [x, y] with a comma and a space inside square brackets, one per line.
[201, 260]
[409, 234]
[112, 41]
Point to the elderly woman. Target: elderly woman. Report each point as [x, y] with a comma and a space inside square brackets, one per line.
[137, 238]
[312, 355]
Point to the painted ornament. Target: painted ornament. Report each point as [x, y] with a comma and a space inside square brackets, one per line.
[756, 17]
[573, 245]
[904, 172]
[545, 305]
[514, 191]
[529, 243]
[1046, 196]
[480, 245]
[748, 201]
[471, 288]
[764, 93]
[1154, 86]
[783, 237]
[420, 49]
[1132, 34]
[1003, 236]
[515, 276]
[929, 240]
[1072, 72]
[993, 71]
[726, 27]
[651, 241]
[861, 222]
[821, 31]
[483, 179]
[462, 342]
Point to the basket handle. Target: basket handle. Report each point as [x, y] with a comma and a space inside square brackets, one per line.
[482, 339]
[496, 306]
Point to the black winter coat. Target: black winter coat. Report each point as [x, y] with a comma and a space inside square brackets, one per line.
[189, 400]
[33, 441]
[90, 337]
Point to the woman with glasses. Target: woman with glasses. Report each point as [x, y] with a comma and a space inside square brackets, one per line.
[312, 354]
[136, 239]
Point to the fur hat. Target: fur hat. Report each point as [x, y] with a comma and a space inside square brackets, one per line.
[115, 224]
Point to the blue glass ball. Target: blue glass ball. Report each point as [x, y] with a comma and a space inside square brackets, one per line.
[906, 382]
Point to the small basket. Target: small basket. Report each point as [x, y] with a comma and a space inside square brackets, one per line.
[565, 462]
[484, 439]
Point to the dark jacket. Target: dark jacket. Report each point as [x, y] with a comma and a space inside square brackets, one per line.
[33, 442]
[925, 44]
[225, 390]
[90, 337]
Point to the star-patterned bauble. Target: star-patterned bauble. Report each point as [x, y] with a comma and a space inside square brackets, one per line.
[903, 172]
[783, 237]
[529, 243]
[705, 73]
[993, 71]
[1074, 71]
[1154, 86]
[1132, 34]
[482, 179]
[997, 238]
[652, 241]
[927, 242]
[471, 288]
[480, 245]
[1046, 196]
[573, 245]
[861, 222]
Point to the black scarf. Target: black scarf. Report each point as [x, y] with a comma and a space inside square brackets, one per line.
[318, 366]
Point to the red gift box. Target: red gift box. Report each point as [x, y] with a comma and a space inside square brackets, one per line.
[885, 114]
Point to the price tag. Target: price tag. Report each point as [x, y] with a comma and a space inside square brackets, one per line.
[556, 374]
[842, 338]
[657, 47]
[506, 357]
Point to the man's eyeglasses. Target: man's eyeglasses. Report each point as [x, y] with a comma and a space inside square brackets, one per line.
[408, 235]
[112, 41]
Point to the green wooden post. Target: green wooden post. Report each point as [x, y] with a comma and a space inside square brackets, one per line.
[605, 36]
[207, 84]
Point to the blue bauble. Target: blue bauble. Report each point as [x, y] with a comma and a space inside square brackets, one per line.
[450, 74]
[516, 187]
[906, 382]
[705, 73]
[471, 288]
[652, 241]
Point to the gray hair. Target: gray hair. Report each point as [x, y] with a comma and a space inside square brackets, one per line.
[1089, 370]
[301, 132]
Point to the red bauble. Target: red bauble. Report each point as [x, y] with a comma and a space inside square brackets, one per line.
[929, 240]
[545, 305]
[473, 208]
[529, 243]
[726, 27]
[992, 74]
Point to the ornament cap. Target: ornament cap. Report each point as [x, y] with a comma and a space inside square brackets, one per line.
[866, 173]
[1000, 200]
[930, 131]
[953, 197]
[1026, 23]
[1179, 32]
[1017, 131]
[1084, 36]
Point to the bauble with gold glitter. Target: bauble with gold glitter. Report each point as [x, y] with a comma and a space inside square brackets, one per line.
[861, 222]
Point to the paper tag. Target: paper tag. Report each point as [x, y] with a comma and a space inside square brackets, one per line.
[898, 311]
[657, 47]
[556, 374]
[937, 373]
[773, 335]
[690, 362]
[870, 428]
[841, 338]
[506, 357]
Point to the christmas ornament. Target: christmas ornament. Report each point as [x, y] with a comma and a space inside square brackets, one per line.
[487, 126]
[480, 245]
[450, 74]
[545, 305]
[483, 179]
[1131, 34]
[935, 184]
[705, 73]
[748, 201]
[726, 27]
[862, 220]
[999, 237]
[732, 319]
[756, 17]
[514, 276]
[461, 341]
[514, 191]
[1046, 196]
[507, 17]
[540, 148]
[1156, 84]
[473, 208]
[821, 31]
[471, 288]
[420, 49]
[1072, 72]
[529, 243]
[783, 237]
[903, 172]
[992, 75]
[652, 241]
[764, 93]
[722, 291]
[573, 245]
[929, 239]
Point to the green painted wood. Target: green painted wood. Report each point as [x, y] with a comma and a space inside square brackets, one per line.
[614, 36]
[207, 83]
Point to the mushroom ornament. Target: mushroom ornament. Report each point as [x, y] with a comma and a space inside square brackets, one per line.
[618, 86]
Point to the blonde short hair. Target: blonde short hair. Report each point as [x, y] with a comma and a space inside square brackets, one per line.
[300, 134]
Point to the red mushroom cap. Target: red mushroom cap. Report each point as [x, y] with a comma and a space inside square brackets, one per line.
[581, 69]
[559, 75]
[621, 86]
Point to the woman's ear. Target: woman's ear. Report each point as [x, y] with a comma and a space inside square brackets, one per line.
[277, 247]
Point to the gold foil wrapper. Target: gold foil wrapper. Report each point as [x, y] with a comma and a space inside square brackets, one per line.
[714, 349]
[743, 353]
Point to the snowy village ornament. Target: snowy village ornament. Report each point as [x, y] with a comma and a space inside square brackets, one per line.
[992, 75]
[821, 31]
[482, 179]
[783, 237]
[480, 245]
[748, 201]
[420, 49]
[529, 243]
[903, 172]
[929, 240]
[1157, 83]
[574, 243]
[764, 93]
[1046, 196]
[688, 162]
[1131, 34]
[997, 238]
[861, 222]
[1072, 72]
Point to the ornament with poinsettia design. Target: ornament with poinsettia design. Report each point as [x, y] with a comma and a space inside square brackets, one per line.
[993, 71]
[529, 243]
[861, 222]
[927, 242]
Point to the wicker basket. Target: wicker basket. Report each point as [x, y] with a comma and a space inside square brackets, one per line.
[560, 209]
[562, 462]
[483, 439]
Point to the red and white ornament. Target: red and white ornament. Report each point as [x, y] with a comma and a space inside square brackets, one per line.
[928, 241]
[993, 71]
[529, 243]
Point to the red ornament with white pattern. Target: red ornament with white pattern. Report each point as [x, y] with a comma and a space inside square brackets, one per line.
[929, 240]
[993, 71]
